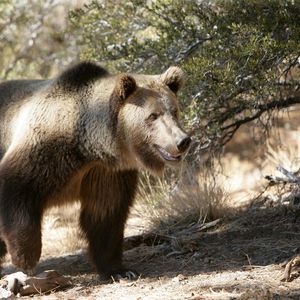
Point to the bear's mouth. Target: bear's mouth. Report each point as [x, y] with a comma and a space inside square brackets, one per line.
[168, 156]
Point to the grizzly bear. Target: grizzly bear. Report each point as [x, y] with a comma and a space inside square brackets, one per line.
[83, 136]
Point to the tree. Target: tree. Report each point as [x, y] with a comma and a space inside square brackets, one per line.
[242, 57]
[32, 41]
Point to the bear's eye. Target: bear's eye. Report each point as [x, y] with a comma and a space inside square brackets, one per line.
[153, 116]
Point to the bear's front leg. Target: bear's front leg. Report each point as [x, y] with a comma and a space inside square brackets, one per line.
[24, 245]
[20, 221]
[103, 219]
[105, 238]
[22, 235]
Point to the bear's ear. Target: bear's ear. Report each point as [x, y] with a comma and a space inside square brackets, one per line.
[125, 86]
[173, 78]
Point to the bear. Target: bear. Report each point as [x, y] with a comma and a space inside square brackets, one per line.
[83, 136]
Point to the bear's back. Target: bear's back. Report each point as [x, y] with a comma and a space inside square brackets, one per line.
[49, 102]
[18, 90]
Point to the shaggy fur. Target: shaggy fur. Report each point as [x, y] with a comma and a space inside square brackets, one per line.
[83, 135]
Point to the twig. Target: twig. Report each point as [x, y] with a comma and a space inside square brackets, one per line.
[229, 130]
[295, 261]
[289, 177]
[209, 225]
[185, 53]
[174, 253]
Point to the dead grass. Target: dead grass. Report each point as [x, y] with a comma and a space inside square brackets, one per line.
[61, 233]
[285, 151]
[200, 198]
[230, 187]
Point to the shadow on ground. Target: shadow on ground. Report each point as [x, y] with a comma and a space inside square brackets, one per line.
[260, 240]
[257, 237]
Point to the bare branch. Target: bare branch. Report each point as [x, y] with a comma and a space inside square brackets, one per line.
[229, 130]
[289, 177]
[184, 54]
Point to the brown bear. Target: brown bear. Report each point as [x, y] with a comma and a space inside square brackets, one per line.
[83, 136]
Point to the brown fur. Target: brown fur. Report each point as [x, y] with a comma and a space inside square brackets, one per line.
[82, 136]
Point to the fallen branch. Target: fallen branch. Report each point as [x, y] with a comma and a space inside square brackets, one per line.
[288, 177]
[149, 239]
[21, 283]
[294, 262]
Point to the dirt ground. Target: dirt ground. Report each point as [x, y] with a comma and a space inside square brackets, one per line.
[240, 257]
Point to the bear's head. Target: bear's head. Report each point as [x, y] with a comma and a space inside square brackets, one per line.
[148, 119]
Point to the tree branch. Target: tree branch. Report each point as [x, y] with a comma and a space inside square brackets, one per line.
[184, 54]
[261, 109]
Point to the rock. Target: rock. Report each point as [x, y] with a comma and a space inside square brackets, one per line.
[5, 294]
[179, 278]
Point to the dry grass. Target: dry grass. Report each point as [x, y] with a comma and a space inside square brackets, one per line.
[199, 198]
[61, 233]
[287, 156]
[285, 151]
[207, 195]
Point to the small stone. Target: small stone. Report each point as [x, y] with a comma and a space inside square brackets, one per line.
[5, 294]
[179, 278]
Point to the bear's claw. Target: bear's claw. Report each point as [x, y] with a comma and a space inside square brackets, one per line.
[127, 274]
[120, 274]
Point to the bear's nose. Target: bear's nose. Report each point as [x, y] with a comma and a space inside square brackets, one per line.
[184, 143]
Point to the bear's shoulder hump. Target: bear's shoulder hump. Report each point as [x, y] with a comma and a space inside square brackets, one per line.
[81, 74]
